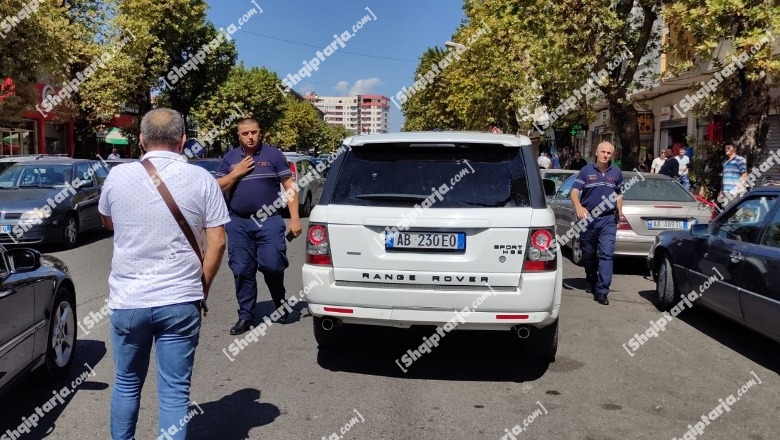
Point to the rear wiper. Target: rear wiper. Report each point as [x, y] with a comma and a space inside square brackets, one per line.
[402, 197]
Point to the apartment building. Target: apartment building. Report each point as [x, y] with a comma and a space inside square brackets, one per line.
[363, 114]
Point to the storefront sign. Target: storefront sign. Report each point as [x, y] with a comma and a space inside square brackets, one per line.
[666, 114]
[645, 122]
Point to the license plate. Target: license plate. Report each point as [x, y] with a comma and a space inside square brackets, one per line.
[667, 224]
[425, 240]
[5, 229]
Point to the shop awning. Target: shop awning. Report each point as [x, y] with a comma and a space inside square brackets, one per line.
[115, 137]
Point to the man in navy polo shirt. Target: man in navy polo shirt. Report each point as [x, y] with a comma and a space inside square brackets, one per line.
[250, 176]
[599, 208]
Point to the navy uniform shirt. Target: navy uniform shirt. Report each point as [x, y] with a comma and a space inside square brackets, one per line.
[593, 184]
[261, 186]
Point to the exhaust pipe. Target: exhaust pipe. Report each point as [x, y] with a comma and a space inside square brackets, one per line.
[523, 331]
[329, 323]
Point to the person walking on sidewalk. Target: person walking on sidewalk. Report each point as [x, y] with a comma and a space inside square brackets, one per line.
[159, 279]
[251, 175]
[601, 203]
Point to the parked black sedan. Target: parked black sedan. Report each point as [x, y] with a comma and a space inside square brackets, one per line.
[50, 200]
[733, 262]
[37, 316]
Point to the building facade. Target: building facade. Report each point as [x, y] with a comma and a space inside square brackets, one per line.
[363, 114]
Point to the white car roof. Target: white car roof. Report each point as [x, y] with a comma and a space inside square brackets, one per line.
[471, 137]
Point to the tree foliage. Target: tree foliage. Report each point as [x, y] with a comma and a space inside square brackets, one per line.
[251, 90]
[738, 27]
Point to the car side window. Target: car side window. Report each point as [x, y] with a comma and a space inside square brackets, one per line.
[101, 172]
[565, 189]
[744, 221]
[82, 172]
[772, 234]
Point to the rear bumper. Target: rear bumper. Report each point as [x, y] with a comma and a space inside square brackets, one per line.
[630, 244]
[538, 299]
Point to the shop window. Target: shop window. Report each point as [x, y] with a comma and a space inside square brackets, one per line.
[56, 138]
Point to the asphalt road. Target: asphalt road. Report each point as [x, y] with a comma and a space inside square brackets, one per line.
[473, 386]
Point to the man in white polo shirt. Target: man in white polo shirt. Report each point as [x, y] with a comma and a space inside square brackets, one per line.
[155, 288]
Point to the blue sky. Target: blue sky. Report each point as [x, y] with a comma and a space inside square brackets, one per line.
[403, 29]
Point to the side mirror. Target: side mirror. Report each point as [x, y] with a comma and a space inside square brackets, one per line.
[87, 183]
[700, 230]
[549, 187]
[24, 260]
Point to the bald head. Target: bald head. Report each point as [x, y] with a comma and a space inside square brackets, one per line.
[162, 129]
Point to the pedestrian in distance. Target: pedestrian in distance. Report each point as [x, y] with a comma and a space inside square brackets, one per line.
[159, 278]
[578, 162]
[671, 166]
[597, 198]
[543, 161]
[734, 180]
[250, 176]
[114, 155]
[682, 169]
[556, 162]
[658, 162]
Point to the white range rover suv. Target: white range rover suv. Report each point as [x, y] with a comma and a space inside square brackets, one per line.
[416, 228]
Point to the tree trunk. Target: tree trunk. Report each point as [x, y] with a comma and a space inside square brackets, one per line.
[624, 121]
[748, 112]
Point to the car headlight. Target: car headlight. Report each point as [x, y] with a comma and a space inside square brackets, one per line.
[36, 216]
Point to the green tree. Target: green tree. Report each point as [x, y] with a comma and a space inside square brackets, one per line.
[299, 128]
[428, 109]
[746, 27]
[197, 84]
[253, 91]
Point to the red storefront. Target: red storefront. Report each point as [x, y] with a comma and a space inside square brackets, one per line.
[39, 133]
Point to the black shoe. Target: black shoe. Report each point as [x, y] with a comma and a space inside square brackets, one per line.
[602, 299]
[284, 315]
[591, 288]
[242, 326]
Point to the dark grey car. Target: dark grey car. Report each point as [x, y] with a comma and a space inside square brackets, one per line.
[50, 200]
[37, 315]
[733, 263]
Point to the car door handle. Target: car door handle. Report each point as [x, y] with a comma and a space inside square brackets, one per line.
[736, 257]
[8, 292]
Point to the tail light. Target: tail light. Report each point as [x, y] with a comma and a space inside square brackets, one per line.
[318, 246]
[294, 171]
[541, 256]
[624, 225]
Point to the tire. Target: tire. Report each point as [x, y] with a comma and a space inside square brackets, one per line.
[70, 231]
[333, 338]
[666, 295]
[576, 252]
[542, 344]
[305, 209]
[62, 335]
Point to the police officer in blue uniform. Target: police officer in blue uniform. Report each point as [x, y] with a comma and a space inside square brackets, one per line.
[250, 176]
[599, 207]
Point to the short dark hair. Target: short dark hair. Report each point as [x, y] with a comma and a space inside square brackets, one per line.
[244, 121]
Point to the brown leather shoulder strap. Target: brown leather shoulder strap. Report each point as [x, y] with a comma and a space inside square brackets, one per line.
[173, 207]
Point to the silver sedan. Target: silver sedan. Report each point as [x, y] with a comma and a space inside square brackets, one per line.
[651, 203]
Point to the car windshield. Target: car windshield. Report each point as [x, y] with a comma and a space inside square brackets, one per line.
[652, 190]
[210, 165]
[400, 175]
[35, 176]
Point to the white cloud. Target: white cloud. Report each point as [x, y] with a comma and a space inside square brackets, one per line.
[306, 88]
[342, 86]
[363, 86]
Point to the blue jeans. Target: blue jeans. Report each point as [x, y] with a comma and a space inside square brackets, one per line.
[175, 330]
[685, 182]
[252, 248]
[598, 246]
